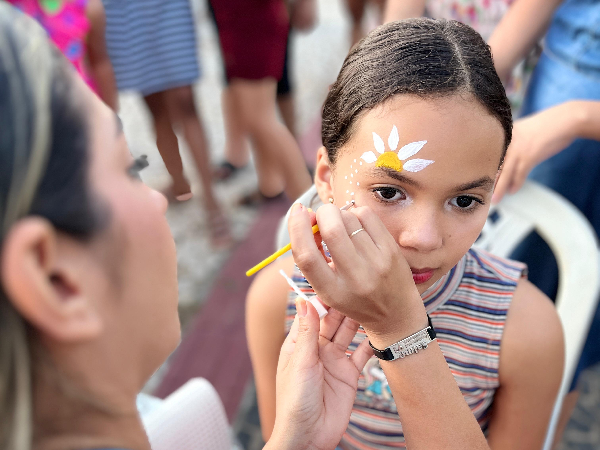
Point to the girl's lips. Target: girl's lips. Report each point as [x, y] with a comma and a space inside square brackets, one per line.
[421, 276]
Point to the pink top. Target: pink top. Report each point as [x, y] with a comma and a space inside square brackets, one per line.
[67, 25]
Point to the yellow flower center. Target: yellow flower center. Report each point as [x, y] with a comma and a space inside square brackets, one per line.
[390, 160]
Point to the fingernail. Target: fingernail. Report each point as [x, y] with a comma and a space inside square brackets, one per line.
[301, 307]
[297, 209]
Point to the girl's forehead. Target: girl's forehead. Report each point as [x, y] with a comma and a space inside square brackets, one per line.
[436, 145]
[450, 131]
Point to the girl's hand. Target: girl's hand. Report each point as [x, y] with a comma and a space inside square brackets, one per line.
[535, 139]
[316, 381]
[367, 278]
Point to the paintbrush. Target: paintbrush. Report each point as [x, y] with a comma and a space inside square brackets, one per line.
[315, 302]
[265, 262]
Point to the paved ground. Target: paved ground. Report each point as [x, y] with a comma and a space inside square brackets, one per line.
[202, 271]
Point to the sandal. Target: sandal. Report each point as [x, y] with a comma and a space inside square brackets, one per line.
[225, 170]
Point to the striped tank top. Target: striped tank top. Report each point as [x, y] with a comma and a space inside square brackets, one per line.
[468, 308]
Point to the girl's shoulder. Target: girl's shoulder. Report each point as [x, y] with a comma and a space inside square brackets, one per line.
[487, 267]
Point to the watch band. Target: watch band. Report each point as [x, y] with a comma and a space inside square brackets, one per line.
[407, 346]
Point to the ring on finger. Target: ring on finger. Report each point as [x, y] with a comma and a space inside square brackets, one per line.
[357, 231]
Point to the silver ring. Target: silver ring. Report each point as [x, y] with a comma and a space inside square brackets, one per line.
[357, 231]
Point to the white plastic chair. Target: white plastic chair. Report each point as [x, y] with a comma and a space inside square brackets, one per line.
[191, 418]
[574, 244]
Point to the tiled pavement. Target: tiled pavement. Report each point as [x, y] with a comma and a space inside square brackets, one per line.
[212, 284]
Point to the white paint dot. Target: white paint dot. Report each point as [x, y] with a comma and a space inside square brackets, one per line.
[361, 163]
[355, 170]
[347, 202]
[346, 177]
[347, 191]
[357, 183]
[354, 160]
[351, 193]
[352, 175]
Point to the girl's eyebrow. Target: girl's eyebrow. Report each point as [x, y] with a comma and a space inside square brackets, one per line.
[484, 182]
[386, 171]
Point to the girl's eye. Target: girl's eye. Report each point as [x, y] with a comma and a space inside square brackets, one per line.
[466, 202]
[138, 165]
[388, 194]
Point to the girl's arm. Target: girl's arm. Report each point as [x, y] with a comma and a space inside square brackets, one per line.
[519, 30]
[403, 9]
[531, 367]
[542, 135]
[98, 59]
[370, 281]
[265, 320]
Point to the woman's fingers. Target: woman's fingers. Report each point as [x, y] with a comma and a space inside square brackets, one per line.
[345, 332]
[377, 231]
[330, 323]
[307, 255]
[362, 354]
[334, 233]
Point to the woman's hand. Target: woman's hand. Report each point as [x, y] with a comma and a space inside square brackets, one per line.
[316, 381]
[367, 278]
[535, 139]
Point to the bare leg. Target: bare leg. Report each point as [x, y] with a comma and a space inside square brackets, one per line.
[182, 112]
[356, 8]
[166, 141]
[237, 152]
[287, 108]
[568, 406]
[279, 161]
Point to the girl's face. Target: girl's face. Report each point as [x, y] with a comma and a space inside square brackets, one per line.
[435, 208]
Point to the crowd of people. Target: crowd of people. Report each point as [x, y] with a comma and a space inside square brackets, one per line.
[427, 343]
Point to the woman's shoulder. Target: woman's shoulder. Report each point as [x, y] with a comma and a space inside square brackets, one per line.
[487, 267]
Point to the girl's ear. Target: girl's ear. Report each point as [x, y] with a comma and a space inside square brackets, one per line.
[41, 279]
[323, 178]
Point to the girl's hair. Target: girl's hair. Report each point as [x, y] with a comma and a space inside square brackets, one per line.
[43, 172]
[422, 57]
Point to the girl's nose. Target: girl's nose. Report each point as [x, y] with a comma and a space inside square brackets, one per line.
[421, 232]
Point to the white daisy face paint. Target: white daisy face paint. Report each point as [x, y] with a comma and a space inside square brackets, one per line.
[396, 161]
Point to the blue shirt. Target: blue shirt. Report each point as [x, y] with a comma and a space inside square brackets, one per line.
[574, 35]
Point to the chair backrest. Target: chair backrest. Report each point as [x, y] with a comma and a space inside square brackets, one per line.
[573, 242]
[191, 418]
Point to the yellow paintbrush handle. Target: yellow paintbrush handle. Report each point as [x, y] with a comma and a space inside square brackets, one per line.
[274, 256]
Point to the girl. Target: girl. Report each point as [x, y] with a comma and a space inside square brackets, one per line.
[152, 46]
[415, 130]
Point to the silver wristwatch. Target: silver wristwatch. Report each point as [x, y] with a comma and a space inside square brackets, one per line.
[407, 346]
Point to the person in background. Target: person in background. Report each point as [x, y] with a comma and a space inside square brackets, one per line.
[77, 28]
[303, 16]
[253, 38]
[558, 132]
[481, 15]
[152, 45]
[357, 8]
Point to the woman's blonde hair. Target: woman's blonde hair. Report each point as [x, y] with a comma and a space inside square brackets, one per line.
[43, 171]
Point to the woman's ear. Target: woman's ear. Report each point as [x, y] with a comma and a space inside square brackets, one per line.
[42, 280]
[323, 179]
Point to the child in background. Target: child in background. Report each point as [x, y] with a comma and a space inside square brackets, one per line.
[415, 130]
[77, 28]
